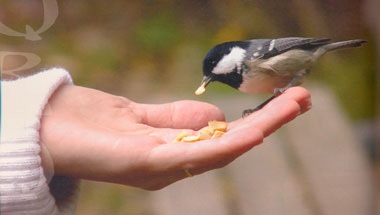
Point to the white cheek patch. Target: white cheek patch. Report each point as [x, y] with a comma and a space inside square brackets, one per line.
[228, 63]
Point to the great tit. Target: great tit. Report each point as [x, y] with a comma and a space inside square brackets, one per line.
[266, 65]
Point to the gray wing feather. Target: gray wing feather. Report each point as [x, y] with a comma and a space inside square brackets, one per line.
[266, 48]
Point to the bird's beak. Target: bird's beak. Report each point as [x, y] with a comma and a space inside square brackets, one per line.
[201, 89]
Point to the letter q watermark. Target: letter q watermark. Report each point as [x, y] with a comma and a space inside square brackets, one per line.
[50, 15]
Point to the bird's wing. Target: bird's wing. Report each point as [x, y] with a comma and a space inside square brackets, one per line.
[266, 48]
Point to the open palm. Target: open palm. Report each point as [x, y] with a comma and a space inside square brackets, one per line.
[98, 136]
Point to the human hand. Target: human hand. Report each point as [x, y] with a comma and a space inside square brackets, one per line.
[94, 135]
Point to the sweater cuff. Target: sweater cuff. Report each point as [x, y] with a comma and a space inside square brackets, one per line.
[23, 185]
[24, 100]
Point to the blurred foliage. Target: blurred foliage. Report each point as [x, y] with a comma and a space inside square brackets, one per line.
[142, 48]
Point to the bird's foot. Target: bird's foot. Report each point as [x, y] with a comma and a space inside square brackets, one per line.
[249, 111]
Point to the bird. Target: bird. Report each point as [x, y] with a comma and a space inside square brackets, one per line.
[266, 66]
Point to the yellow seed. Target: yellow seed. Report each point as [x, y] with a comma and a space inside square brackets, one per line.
[180, 136]
[218, 125]
[215, 129]
[200, 90]
[206, 133]
[217, 134]
[193, 138]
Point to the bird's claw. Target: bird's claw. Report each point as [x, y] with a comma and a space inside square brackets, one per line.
[247, 112]
[250, 111]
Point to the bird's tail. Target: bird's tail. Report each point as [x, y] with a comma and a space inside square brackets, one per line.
[344, 44]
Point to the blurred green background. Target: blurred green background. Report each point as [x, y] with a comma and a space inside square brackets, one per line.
[146, 49]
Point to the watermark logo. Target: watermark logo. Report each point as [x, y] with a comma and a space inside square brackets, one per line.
[50, 15]
[31, 60]
[50, 8]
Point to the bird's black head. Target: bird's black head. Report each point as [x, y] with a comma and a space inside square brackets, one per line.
[224, 63]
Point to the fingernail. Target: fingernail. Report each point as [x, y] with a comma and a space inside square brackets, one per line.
[308, 105]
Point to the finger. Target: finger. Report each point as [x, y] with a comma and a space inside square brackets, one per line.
[241, 137]
[179, 114]
[284, 108]
[281, 110]
[301, 96]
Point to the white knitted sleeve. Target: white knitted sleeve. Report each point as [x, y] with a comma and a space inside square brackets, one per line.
[23, 187]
